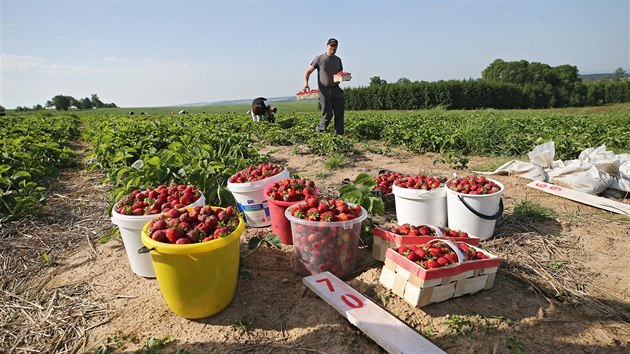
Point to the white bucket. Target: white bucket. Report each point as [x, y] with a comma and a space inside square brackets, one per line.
[251, 200]
[419, 206]
[475, 214]
[131, 231]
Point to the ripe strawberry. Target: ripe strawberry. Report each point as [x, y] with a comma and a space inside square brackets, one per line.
[220, 232]
[182, 241]
[159, 235]
[159, 225]
[174, 234]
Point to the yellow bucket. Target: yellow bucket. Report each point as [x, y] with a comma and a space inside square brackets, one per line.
[197, 280]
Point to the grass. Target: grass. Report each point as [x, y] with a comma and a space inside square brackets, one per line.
[298, 106]
[496, 162]
[335, 161]
[534, 210]
[459, 324]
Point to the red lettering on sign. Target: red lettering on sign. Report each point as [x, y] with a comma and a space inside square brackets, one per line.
[554, 188]
[542, 185]
[328, 282]
[357, 304]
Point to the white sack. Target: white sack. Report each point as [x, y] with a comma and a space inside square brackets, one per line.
[604, 160]
[581, 176]
[621, 182]
[521, 169]
[543, 154]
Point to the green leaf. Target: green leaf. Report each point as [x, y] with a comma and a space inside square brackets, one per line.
[365, 180]
[21, 174]
[254, 243]
[274, 241]
[138, 165]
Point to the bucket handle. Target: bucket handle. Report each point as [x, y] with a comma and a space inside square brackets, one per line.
[453, 246]
[145, 249]
[487, 217]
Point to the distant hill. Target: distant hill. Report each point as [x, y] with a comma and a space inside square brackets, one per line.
[241, 101]
[587, 77]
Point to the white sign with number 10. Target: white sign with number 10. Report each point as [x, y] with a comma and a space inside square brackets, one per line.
[386, 330]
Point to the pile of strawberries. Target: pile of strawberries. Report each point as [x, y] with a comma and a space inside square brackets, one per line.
[420, 182]
[154, 201]
[439, 254]
[314, 209]
[256, 173]
[386, 180]
[412, 230]
[291, 190]
[198, 224]
[446, 232]
[473, 185]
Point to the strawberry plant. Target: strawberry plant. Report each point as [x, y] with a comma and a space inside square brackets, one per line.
[33, 147]
[193, 225]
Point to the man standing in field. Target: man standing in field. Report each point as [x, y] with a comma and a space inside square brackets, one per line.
[330, 94]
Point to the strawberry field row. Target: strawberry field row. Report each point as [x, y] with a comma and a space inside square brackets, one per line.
[33, 146]
[206, 149]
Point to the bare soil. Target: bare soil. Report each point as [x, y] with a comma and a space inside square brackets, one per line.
[563, 285]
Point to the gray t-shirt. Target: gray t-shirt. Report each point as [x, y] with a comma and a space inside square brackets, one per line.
[327, 67]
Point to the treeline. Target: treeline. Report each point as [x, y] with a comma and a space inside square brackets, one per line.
[63, 103]
[505, 85]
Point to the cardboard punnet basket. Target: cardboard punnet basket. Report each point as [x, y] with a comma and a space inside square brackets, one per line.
[420, 287]
[383, 240]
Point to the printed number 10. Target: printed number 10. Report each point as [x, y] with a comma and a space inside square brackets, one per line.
[356, 303]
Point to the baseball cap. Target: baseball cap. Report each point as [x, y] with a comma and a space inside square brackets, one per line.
[332, 41]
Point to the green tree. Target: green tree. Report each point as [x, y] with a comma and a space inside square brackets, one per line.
[38, 107]
[61, 102]
[619, 74]
[377, 81]
[403, 81]
[2, 108]
[96, 102]
[86, 103]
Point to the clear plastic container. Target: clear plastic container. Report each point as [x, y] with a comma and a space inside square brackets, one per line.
[320, 246]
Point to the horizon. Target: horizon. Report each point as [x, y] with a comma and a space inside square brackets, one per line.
[145, 54]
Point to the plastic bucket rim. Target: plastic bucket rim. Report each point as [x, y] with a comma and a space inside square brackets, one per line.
[345, 224]
[192, 248]
[500, 192]
[147, 218]
[282, 203]
[410, 193]
[255, 185]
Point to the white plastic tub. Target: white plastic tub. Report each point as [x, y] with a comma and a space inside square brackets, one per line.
[251, 200]
[131, 232]
[419, 206]
[475, 214]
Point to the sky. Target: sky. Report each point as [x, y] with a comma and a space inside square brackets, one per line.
[163, 53]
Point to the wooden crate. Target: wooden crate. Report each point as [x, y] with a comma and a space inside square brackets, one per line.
[420, 287]
[384, 239]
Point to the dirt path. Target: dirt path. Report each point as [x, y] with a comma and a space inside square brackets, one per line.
[273, 311]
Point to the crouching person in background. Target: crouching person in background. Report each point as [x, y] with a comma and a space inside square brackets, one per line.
[262, 111]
